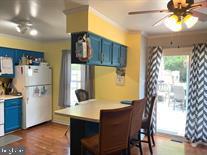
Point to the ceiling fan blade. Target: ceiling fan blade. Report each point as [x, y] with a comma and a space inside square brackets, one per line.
[202, 17]
[143, 12]
[161, 20]
[201, 4]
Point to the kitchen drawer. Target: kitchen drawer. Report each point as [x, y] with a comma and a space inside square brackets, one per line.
[12, 102]
[1, 129]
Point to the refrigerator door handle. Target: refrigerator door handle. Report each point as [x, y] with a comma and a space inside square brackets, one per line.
[27, 100]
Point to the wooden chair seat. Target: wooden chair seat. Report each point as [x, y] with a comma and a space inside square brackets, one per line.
[91, 144]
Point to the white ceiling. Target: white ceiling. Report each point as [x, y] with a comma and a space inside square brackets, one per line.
[48, 18]
[117, 10]
[46, 15]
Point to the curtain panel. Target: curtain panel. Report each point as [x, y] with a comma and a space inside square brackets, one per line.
[154, 60]
[65, 78]
[90, 81]
[196, 122]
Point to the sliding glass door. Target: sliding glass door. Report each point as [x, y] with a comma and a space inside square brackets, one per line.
[172, 94]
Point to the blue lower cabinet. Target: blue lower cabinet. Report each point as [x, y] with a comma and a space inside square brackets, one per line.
[12, 114]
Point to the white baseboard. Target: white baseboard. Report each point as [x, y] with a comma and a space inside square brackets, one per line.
[61, 122]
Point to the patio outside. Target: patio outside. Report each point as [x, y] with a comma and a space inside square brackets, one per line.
[172, 95]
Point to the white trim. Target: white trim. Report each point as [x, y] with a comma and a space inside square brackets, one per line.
[34, 40]
[19, 38]
[88, 8]
[77, 9]
[175, 34]
[177, 51]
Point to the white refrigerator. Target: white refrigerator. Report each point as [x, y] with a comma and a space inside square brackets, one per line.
[35, 84]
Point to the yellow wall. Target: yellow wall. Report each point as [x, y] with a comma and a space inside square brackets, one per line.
[53, 53]
[105, 84]
[20, 43]
[103, 28]
[77, 21]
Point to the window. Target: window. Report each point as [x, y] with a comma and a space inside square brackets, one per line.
[77, 81]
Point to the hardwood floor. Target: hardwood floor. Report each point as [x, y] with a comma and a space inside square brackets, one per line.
[49, 139]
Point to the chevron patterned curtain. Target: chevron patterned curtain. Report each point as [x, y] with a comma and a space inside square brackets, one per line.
[196, 124]
[153, 67]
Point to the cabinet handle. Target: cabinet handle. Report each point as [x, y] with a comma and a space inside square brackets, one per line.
[102, 56]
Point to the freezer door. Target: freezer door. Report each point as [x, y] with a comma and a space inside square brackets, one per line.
[37, 106]
[34, 75]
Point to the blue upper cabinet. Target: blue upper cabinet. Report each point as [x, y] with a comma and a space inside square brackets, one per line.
[123, 56]
[116, 54]
[16, 55]
[106, 52]
[96, 50]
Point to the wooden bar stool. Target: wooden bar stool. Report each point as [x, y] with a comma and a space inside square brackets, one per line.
[113, 135]
[138, 110]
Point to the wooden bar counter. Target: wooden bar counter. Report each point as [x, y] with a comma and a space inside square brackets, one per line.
[84, 120]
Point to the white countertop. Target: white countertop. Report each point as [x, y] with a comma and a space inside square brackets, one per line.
[90, 110]
[7, 97]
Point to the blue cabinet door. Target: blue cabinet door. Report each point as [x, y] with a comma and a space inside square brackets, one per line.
[12, 114]
[116, 54]
[123, 56]
[96, 50]
[106, 52]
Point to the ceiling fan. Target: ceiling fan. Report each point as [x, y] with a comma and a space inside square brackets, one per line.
[180, 11]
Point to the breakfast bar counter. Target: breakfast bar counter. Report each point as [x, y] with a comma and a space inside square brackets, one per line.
[84, 120]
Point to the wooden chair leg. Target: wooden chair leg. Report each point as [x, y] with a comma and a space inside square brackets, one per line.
[149, 141]
[140, 143]
[129, 149]
[82, 150]
[152, 136]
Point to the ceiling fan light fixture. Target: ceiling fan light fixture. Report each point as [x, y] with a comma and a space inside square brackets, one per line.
[190, 20]
[18, 28]
[33, 32]
[173, 23]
